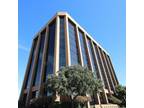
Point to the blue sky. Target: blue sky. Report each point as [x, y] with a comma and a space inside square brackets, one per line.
[104, 20]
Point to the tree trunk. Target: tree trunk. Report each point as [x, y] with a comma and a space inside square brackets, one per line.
[72, 104]
[72, 101]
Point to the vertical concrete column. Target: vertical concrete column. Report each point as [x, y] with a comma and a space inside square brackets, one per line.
[29, 94]
[98, 98]
[27, 72]
[101, 77]
[88, 53]
[96, 59]
[81, 58]
[88, 103]
[68, 60]
[106, 98]
[112, 71]
[111, 81]
[89, 58]
[56, 50]
[43, 63]
[79, 46]
[109, 88]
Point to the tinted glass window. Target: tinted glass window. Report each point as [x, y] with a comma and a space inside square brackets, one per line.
[73, 45]
[110, 69]
[92, 56]
[50, 50]
[83, 48]
[31, 65]
[101, 67]
[39, 62]
[33, 94]
[106, 67]
[113, 71]
[62, 56]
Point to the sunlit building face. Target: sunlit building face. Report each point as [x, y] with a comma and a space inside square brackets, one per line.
[63, 42]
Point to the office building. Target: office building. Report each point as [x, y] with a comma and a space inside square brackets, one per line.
[63, 42]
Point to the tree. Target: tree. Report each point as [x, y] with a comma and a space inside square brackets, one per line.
[73, 81]
[114, 100]
[41, 102]
[121, 94]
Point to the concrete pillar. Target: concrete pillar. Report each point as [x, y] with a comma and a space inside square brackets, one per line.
[88, 54]
[79, 46]
[29, 94]
[43, 62]
[27, 72]
[89, 58]
[109, 88]
[56, 50]
[68, 60]
[112, 71]
[100, 73]
[111, 81]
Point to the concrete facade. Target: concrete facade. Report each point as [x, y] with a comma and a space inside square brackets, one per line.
[105, 69]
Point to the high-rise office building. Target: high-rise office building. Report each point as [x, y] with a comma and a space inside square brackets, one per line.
[63, 42]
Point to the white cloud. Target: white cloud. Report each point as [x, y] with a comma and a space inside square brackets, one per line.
[22, 47]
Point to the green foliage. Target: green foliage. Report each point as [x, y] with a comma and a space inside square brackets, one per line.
[73, 81]
[41, 102]
[114, 100]
[121, 94]
[56, 105]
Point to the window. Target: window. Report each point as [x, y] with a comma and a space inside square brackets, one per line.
[73, 45]
[113, 71]
[47, 93]
[50, 50]
[24, 98]
[101, 67]
[62, 56]
[35, 94]
[83, 48]
[31, 64]
[92, 56]
[39, 62]
[107, 73]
